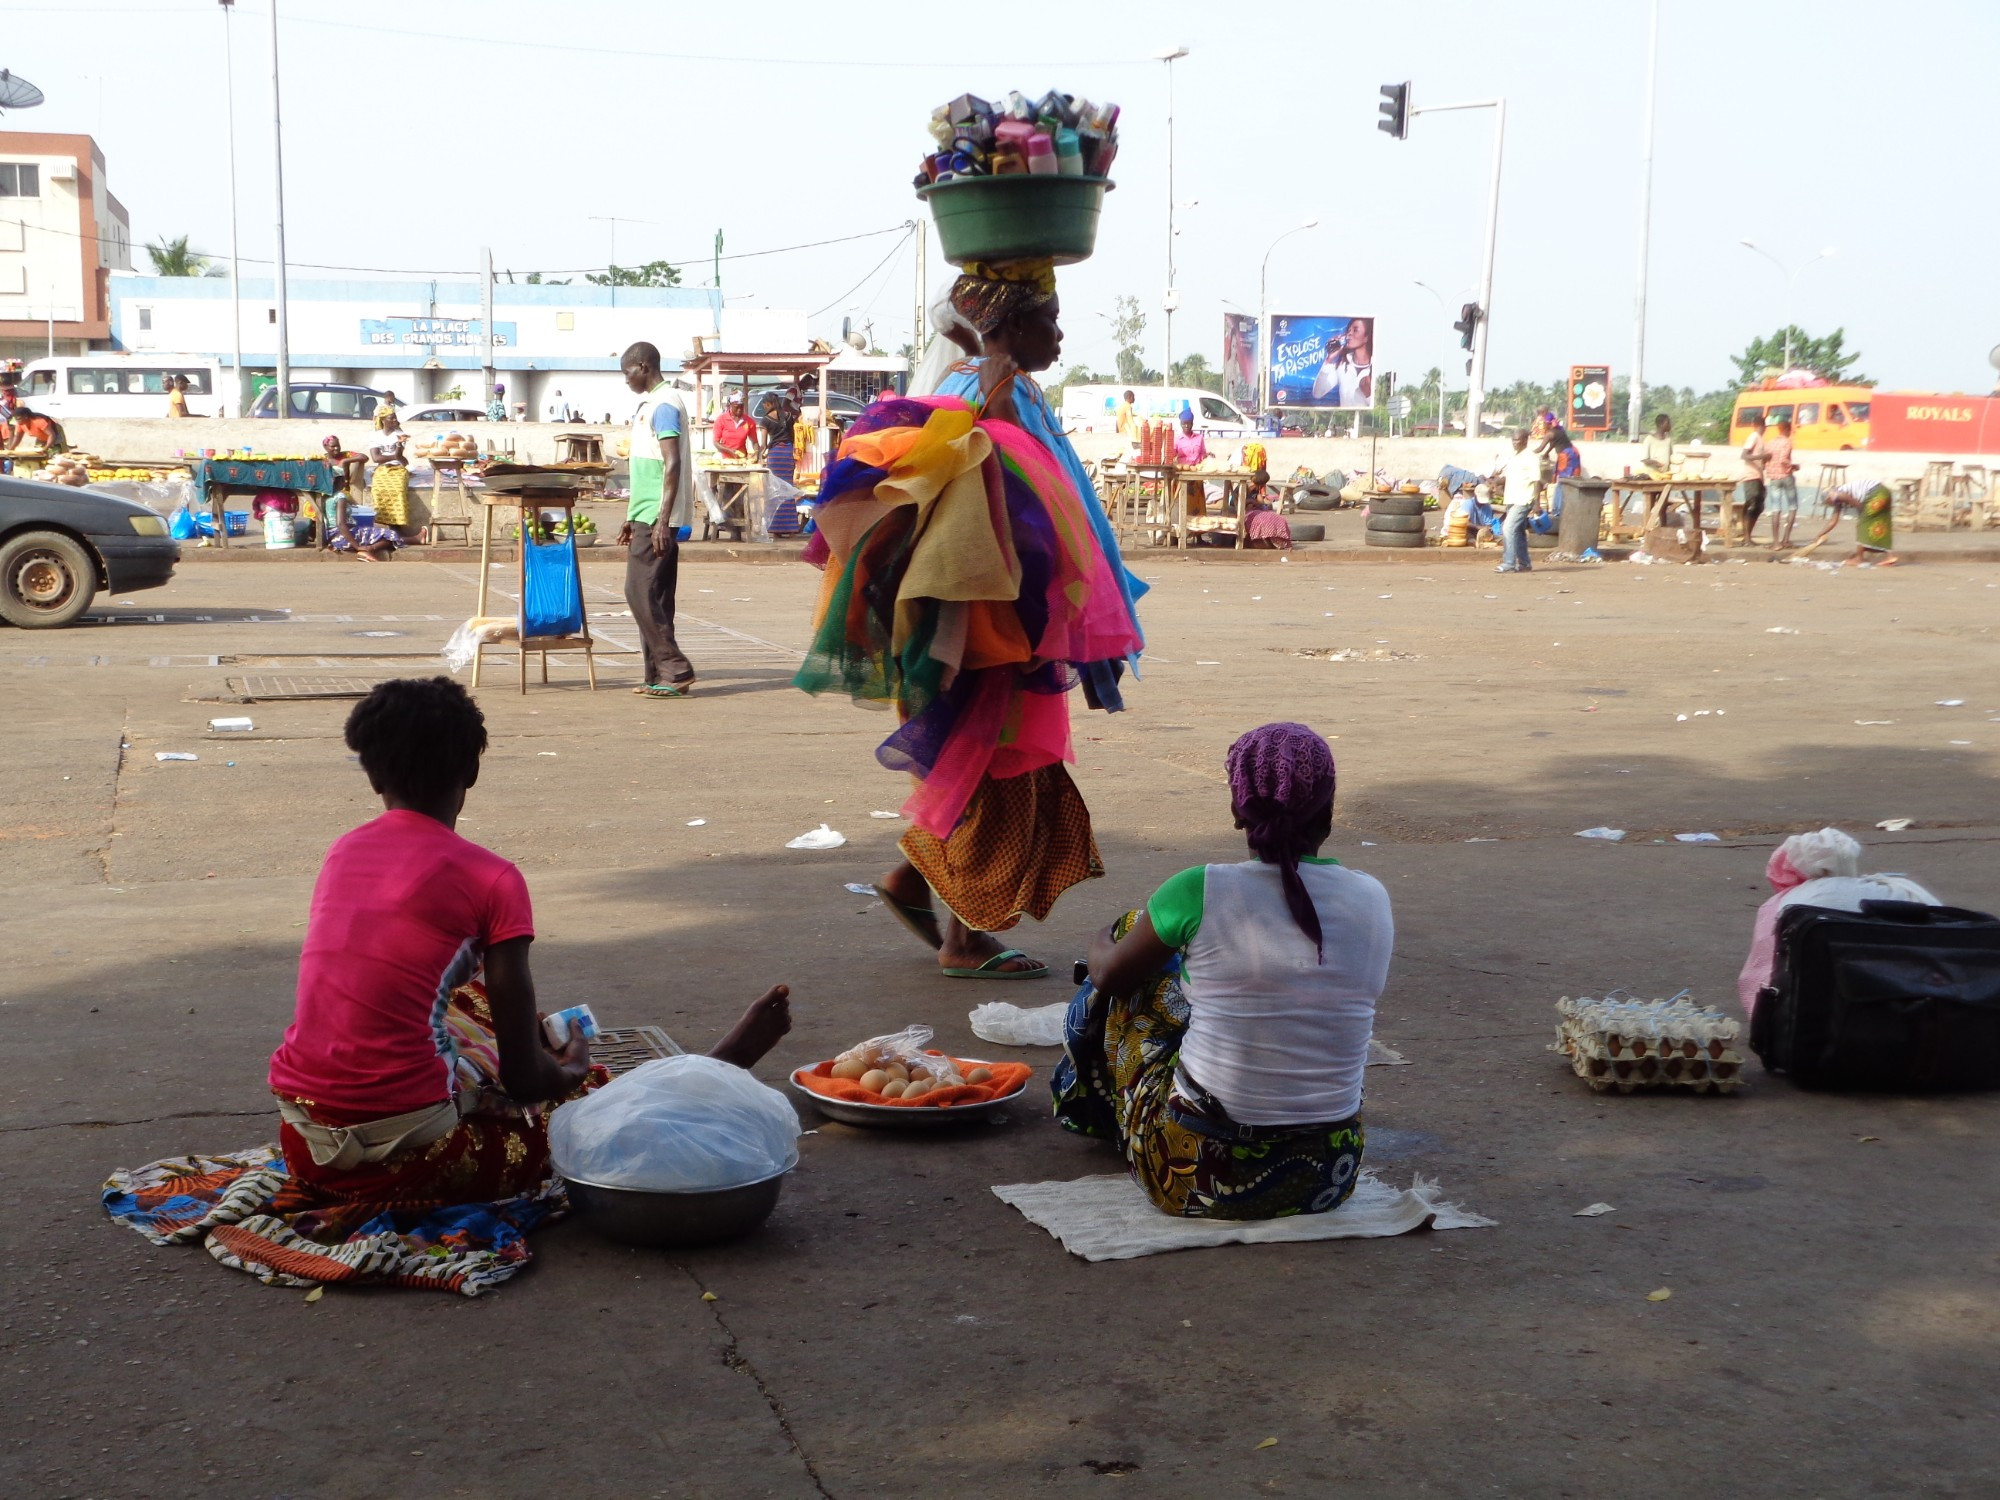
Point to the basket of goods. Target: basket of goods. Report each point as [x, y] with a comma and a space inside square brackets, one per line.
[1020, 180]
[900, 1081]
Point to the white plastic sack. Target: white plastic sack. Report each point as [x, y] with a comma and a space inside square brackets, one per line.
[1847, 892]
[821, 837]
[686, 1124]
[465, 641]
[1018, 1026]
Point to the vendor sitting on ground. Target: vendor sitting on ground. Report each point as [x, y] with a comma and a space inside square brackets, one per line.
[1231, 1080]
[364, 539]
[404, 1083]
[1262, 525]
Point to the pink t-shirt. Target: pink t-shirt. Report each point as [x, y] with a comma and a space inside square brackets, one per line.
[402, 914]
[1190, 448]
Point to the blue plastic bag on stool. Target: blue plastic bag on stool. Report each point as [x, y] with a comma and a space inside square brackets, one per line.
[551, 594]
[182, 526]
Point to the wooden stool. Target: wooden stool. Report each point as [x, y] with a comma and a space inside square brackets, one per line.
[579, 448]
[461, 512]
[1934, 498]
[1831, 478]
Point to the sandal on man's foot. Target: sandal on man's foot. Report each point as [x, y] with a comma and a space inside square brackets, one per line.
[666, 690]
[991, 968]
[920, 920]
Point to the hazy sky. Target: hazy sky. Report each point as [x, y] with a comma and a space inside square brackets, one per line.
[1801, 124]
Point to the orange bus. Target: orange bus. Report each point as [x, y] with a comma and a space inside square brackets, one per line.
[1822, 416]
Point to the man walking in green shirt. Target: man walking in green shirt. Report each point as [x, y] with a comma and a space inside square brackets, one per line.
[662, 499]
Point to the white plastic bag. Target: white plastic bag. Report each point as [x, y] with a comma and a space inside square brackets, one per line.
[686, 1124]
[821, 837]
[1019, 1026]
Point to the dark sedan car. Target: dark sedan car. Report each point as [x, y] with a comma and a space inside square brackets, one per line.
[59, 546]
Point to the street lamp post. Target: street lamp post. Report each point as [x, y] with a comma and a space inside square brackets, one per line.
[1791, 279]
[1264, 316]
[1444, 309]
[239, 407]
[1170, 56]
[284, 407]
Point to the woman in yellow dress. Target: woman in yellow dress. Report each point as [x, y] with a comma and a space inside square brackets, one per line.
[389, 487]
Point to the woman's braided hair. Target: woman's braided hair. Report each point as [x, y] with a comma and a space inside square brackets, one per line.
[1281, 782]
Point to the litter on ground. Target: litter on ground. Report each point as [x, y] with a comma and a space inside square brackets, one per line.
[1609, 835]
[821, 837]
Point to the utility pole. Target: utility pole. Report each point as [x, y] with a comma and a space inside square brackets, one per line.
[240, 406]
[1170, 56]
[1398, 111]
[486, 277]
[1638, 402]
[917, 334]
[278, 155]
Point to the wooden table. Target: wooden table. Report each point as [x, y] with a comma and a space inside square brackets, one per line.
[1656, 493]
[311, 478]
[729, 492]
[528, 500]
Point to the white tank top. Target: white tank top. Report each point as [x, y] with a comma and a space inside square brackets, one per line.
[1277, 1037]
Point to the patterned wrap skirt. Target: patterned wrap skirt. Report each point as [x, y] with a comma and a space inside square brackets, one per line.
[1116, 1082]
[389, 488]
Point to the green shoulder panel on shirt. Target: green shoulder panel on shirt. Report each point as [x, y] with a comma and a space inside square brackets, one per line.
[1176, 906]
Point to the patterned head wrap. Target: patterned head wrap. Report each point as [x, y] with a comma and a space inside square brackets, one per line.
[1281, 780]
[990, 292]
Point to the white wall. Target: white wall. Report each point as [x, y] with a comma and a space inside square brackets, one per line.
[41, 261]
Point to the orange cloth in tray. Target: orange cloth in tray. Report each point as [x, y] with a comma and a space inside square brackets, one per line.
[1008, 1078]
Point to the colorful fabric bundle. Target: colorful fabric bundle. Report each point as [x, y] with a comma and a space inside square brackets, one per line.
[965, 581]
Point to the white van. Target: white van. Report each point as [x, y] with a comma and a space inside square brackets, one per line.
[1094, 408]
[118, 384]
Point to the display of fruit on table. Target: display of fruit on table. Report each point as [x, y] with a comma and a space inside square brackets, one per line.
[452, 445]
[65, 469]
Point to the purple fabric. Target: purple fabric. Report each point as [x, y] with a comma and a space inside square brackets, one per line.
[1281, 779]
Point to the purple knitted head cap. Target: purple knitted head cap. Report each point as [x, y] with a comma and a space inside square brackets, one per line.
[1281, 781]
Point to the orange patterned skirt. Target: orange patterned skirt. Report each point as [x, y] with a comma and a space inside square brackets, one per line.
[1023, 841]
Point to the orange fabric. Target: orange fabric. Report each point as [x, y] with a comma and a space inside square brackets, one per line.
[1008, 1078]
[994, 636]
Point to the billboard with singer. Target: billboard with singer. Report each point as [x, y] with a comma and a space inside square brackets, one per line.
[1239, 360]
[1321, 361]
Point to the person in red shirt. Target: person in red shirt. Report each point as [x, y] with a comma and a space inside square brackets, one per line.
[735, 434]
[402, 1078]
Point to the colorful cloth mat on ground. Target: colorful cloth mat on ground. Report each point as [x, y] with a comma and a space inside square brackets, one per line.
[235, 1205]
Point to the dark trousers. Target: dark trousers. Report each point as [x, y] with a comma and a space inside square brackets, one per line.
[650, 581]
[1751, 493]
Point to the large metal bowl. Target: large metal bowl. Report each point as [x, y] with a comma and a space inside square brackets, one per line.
[676, 1219]
[895, 1117]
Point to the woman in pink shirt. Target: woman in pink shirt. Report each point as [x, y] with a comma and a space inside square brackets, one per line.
[1190, 452]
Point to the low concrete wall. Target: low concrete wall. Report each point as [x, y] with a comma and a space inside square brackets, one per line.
[158, 438]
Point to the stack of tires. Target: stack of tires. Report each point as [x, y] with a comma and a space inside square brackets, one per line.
[1395, 521]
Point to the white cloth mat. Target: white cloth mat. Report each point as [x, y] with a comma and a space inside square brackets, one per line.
[1111, 1218]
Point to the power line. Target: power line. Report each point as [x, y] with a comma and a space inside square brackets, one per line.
[542, 44]
[893, 251]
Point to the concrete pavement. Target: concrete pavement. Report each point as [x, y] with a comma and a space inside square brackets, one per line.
[895, 1330]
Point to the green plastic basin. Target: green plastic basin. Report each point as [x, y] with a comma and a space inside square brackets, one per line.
[1018, 217]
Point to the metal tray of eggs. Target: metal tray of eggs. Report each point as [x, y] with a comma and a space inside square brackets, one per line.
[905, 1116]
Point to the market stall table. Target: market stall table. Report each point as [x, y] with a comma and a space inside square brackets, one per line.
[528, 495]
[312, 479]
[728, 488]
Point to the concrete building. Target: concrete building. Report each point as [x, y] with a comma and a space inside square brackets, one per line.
[425, 340]
[62, 234]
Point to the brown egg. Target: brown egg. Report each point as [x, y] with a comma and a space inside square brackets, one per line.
[849, 1067]
[917, 1090]
[893, 1089]
[979, 1075]
[873, 1080]
[900, 1073]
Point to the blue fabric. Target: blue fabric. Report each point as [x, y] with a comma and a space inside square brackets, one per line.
[1039, 422]
[551, 594]
[1453, 478]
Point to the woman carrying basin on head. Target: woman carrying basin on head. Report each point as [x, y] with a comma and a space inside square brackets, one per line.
[973, 579]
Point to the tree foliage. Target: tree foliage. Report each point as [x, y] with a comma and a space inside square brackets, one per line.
[652, 273]
[1194, 371]
[173, 258]
[1826, 358]
[1128, 332]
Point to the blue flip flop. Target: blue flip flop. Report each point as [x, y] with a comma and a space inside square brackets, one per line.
[991, 970]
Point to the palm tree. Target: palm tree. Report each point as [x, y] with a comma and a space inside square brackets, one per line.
[173, 258]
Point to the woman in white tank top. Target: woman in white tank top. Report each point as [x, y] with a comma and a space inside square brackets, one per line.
[1222, 1038]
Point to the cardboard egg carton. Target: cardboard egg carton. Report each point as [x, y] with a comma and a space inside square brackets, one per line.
[1649, 1044]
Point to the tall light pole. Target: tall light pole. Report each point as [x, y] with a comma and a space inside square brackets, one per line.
[1264, 316]
[239, 407]
[1170, 56]
[278, 156]
[1637, 405]
[1791, 279]
[1444, 311]
[1400, 111]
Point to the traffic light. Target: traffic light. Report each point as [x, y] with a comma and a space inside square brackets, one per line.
[1395, 110]
[1468, 320]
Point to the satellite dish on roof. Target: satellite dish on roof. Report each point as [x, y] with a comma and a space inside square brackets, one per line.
[16, 92]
